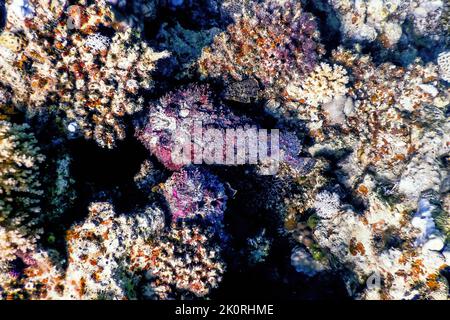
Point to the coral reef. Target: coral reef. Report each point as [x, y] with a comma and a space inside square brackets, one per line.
[99, 250]
[193, 192]
[383, 20]
[77, 60]
[275, 42]
[444, 65]
[383, 243]
[184, 263]
[20, 186]
[271, 148]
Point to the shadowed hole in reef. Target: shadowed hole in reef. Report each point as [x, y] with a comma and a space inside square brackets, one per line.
[103, 174]
[274, 278]
[277, 279]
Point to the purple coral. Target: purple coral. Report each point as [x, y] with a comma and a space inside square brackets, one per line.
[291, 147]
[273, 42]
[176, 113]
[288, 156]
[194, 192]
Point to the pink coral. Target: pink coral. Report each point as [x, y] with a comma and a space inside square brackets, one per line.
[177, 112]
[194, 192]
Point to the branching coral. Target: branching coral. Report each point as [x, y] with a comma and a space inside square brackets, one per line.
[20, 187]
[79, 61]
[275, 42]
[321, 86]
[318, 99]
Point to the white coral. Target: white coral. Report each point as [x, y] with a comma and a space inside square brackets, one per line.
[382, 20]
[303, 262]
[327, 204]
[97, 42]
[321, 86]
[444, 65]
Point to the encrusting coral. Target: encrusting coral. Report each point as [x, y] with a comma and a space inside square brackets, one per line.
[383, 20]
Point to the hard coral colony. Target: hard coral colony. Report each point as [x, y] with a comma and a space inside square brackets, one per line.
[359, 203]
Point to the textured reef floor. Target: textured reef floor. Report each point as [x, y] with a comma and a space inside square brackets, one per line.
[98, 200]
